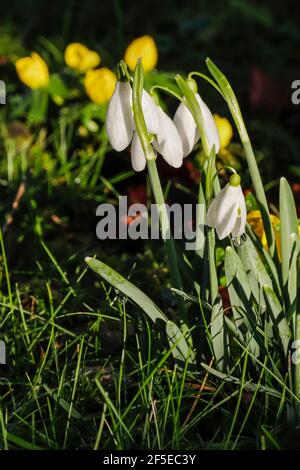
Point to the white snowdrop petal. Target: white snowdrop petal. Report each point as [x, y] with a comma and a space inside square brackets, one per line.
[227, 223]
[138, 159]
[186, 128]
[211, 130]
[214, 215]
[150, 113]
[239, 227]
[228, 201]
[119, 117]
[237, 230]
[212, 210]
[168, 142]
[227, 213]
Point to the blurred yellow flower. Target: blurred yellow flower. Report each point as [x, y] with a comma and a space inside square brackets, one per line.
[33, 71]
[144, 47]
[80, 58]
[224, 129]
[100, 84]
[255, 220]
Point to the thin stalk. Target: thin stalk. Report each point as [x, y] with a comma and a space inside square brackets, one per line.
[210, 170]
[213, 277]
[234, 108]
[166, 234]
[150, 155]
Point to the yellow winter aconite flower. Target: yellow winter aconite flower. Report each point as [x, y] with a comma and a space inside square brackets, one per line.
[80, 58]
[144, 47]
[255, 220]
[100, 84]
[224, 129]
[33, 71]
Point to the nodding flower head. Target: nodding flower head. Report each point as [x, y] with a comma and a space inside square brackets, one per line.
[100, 84]
[188, 131]
[80, 58]
[33, 71]
[144, 47]
[119, 117]
[224, 129]
[121, 130]
[227, 212]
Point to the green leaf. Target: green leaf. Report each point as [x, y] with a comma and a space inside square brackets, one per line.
[218, 333]
[176, 338]
[251, 386]
[292, 286]
[192, 298]
[279, 321]
[57, 86]
[62, 402]
[20, 442]
[240, 297]
[238, 286]
[233, 105]
[267, 261]
[255, 270]
[288, 225]
[181, 350]
[38, 106]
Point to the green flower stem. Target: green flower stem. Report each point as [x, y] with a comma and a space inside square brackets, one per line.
[206, 78]
[167, 90]
[145, 138]
[233, 105]
[213, 277]
[150, 155]
[39, 106]
[164, 223]
[209, 170]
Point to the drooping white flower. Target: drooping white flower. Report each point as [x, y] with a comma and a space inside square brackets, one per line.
[121, 128]
[227, 212]
[150, 113]
[167, 141]
[119, 117]
[188, 131]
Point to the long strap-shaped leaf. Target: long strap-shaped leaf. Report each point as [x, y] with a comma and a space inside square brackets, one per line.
[181, 351]
[233, 105]
[255, 270]
[238, 286]
[279, 320]
[240, 296]
[219, 335]
[288, 226]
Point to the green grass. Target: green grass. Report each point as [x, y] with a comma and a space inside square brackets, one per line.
[86, 370]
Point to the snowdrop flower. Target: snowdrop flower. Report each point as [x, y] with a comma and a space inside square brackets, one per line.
[227, 212]
[120, 128]
[119, 117]
[188, 131]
